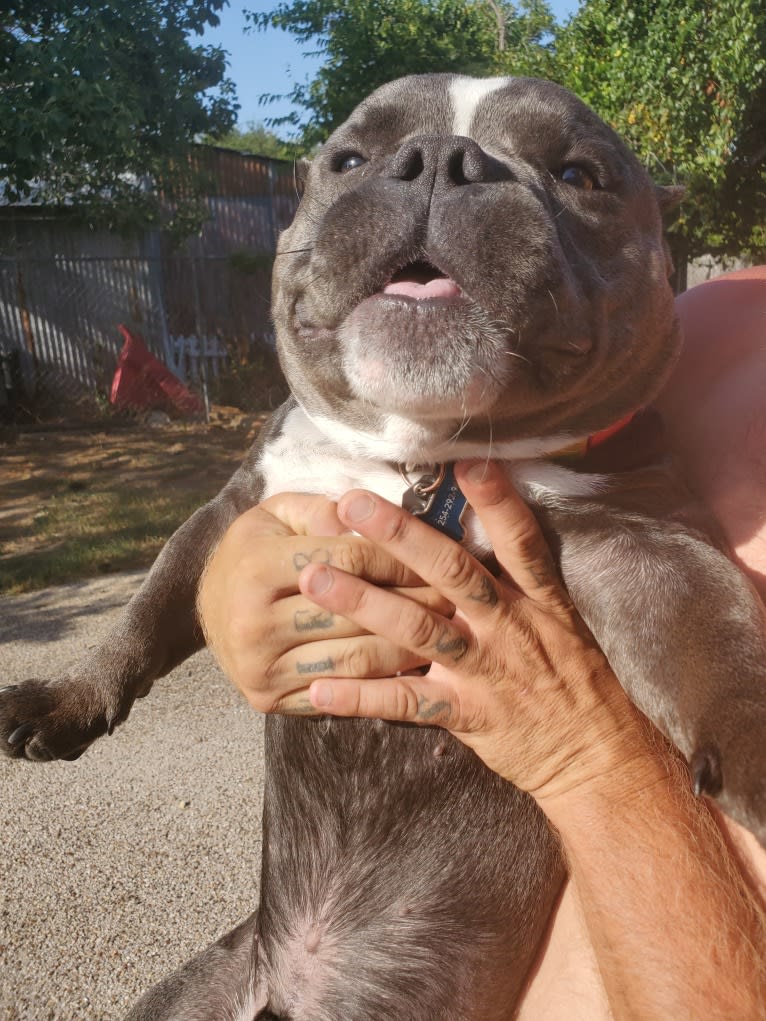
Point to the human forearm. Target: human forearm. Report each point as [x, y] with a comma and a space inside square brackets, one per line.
[676, 930]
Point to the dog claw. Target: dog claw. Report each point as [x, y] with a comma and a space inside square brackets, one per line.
[20, 734]
[706, 773]
[42, 720]
[8, 687]
[40, 754]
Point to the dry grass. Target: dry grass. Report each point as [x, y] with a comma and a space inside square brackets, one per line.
[78, 504]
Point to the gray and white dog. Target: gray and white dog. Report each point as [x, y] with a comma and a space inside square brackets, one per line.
[477, 268]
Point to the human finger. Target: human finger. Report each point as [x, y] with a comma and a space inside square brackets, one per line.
[517, 540]
[438, 560]
[402, 699]
[428, 635]
[363, 657]
[269, 661]
[296, 620]
[259, 548]
[304, 513]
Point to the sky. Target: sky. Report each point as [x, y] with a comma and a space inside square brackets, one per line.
[268, 62]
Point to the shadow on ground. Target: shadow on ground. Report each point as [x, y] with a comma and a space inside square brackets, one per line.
[55, 613]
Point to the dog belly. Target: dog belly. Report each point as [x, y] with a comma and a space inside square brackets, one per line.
[401, 878]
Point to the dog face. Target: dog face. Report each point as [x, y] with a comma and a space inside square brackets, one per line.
[474, 263]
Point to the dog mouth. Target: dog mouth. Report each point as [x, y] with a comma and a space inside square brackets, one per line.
[418, 347]
[421, 281]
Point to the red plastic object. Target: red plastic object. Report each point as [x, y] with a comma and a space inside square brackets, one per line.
[141, 381]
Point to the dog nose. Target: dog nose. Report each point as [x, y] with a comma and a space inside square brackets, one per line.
[439, 163]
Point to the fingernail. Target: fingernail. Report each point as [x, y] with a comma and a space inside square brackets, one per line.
[320, 581]
[359, 507]
[320, 695]
[478, 472]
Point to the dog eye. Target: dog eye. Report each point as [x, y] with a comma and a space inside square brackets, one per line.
[350, 162]
[577, 177]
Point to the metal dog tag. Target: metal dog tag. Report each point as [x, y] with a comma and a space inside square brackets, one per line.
[437, 498]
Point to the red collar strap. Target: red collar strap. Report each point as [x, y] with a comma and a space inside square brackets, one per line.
[635, 441]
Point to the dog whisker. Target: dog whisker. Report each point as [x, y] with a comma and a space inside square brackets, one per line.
[294, 251]
[461, 428]
[489, 444]
[515, 354]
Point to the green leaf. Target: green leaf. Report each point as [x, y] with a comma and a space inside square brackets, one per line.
[95, 97]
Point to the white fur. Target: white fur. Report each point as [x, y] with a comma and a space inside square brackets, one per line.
[405, 441]
[246, 1010]
[538, 478]
[465, 95]
[305, 459]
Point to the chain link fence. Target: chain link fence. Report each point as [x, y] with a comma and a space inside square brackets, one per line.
[201, 311]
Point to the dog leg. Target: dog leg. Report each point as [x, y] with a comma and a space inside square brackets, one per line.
[684, 631]
[59, 718]
[217, 985]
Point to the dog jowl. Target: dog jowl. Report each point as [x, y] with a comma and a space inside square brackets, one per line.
[477, 268]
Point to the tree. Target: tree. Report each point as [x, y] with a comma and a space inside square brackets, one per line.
[366, 44]
[256, 139]
[98, 98]
[684, 81]
[526, 39]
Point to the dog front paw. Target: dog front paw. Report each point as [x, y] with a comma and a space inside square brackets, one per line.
[45, 720]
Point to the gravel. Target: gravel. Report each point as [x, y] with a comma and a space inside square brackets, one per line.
[117, 868]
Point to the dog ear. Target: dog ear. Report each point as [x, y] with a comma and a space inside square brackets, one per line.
[669, 196]
[670, 266]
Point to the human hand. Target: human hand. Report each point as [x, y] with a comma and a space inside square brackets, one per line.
[516, 675]
[270, 639]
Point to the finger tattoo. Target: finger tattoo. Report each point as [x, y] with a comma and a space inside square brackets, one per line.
[545, 573]
[313, 620]
[316, 556]
[488, 594]
[428, 710]
[316, 667]
[457, 646]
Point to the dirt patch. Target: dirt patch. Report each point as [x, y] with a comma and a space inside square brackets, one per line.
[75, 504]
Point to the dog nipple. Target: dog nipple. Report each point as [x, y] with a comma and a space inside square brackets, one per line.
[312, 940]
[439, 750]
[706, 773]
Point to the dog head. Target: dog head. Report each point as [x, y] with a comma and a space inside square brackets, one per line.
[475, 264]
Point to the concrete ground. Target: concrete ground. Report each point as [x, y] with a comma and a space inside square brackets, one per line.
[118, 867]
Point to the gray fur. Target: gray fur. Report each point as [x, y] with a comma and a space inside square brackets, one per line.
[401, 879]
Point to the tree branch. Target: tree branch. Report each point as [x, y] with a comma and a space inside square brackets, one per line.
[497, 10]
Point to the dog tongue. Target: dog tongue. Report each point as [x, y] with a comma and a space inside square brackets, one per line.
[440, 287]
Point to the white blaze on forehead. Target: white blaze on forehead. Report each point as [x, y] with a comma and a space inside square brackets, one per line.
[466, 94]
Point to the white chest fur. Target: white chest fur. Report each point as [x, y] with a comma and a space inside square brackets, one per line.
[304, 459]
